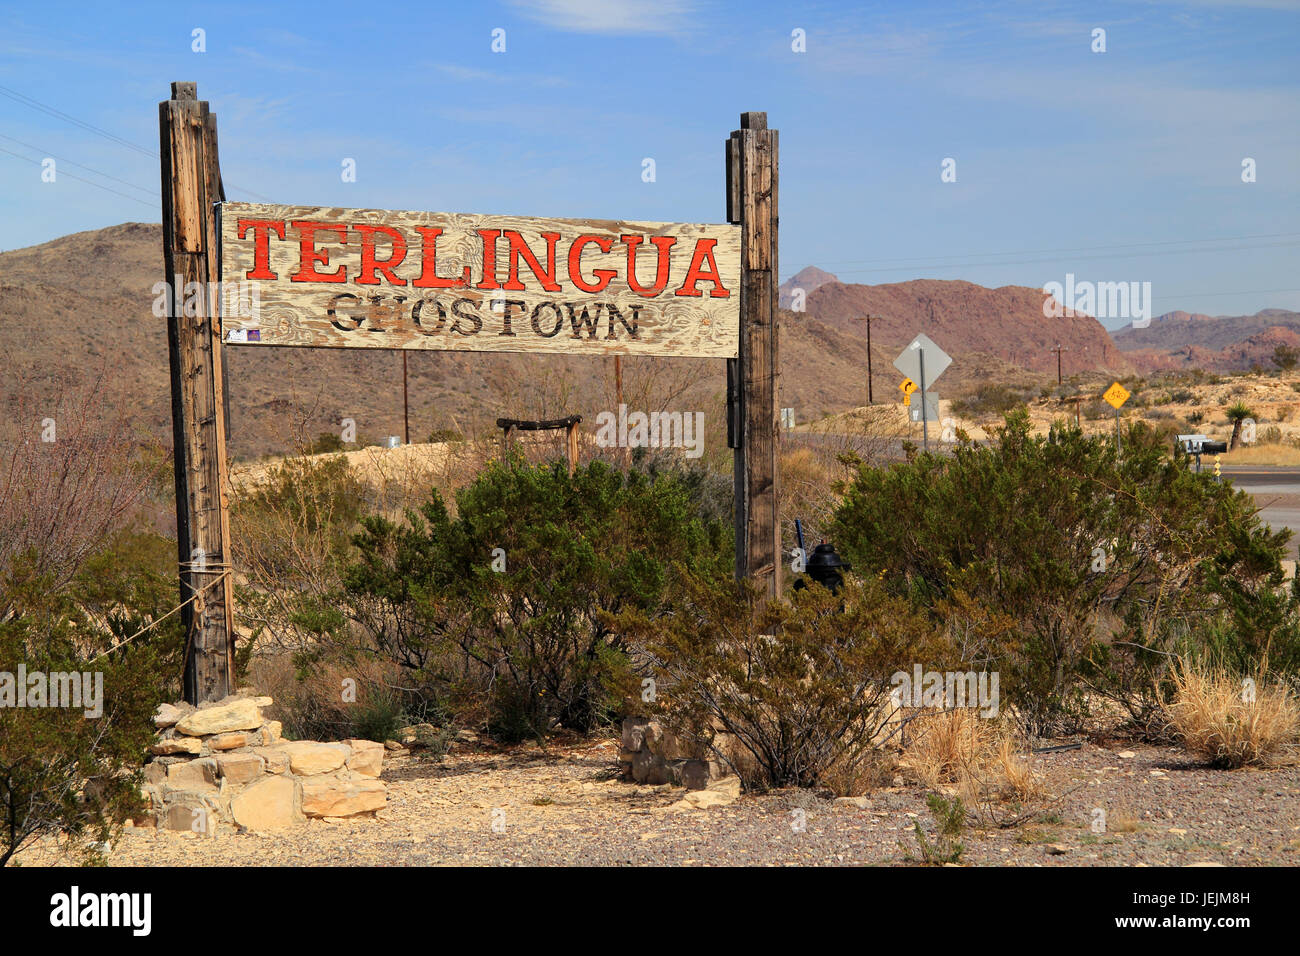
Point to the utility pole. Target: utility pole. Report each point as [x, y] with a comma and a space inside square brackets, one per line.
[1058, 350]
[754, 376]
[406, 405]
[871, 400]
[191, 185]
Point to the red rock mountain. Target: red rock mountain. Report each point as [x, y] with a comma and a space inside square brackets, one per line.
[1223, 343]
[983, 326]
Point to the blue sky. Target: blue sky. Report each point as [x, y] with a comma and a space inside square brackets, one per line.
[1117, 166]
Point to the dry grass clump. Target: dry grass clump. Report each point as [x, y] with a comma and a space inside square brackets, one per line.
[1229, 723]
[980, 760]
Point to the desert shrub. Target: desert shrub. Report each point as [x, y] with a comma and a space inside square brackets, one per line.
[326, 443]
[1228, 722]
[1272, 435]
[291, 538]
[78, 585]
[1101, 565]
[1097, 409]
[989, 400]
[949, 821]
[505, 606]
[62, 770]
[802, 688]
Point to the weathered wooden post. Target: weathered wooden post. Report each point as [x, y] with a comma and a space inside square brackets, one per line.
[753, 379]
[191, 183]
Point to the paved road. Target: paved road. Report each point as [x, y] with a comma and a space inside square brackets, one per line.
[1277, 492]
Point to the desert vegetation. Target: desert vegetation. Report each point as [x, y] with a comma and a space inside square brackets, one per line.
[463, 590]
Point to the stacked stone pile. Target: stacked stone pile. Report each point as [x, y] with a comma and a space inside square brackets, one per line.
[225, 763]
[653, 755]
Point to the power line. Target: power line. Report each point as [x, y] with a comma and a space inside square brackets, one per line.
[71, 162]
[89, 182]
[59, 114]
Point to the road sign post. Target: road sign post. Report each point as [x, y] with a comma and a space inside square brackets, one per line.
[912, 364]
[1116, 396]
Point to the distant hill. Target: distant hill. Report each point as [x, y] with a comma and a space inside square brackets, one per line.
[1225, 343]
[807, 278]
[83, 303]
[989, 328]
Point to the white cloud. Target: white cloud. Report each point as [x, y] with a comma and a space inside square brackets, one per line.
[609, 16]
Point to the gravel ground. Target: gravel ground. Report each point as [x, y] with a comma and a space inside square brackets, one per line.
[565, 806]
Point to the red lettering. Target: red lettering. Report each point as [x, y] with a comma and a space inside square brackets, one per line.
[695, 274]
[663, 244]
[261, 245]
[310, 255]
[603, 276]
[429, 278]
[489, 237]
[520, 248]
[368, 264]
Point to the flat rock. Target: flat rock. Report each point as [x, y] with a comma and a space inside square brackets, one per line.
[277, 760]
[240, 714]
[177, 745]
[342, 795]
[240, 768]
[272, 803]
[188, 812]
[193, 774]
[169, 714]
[367, 757]
[308, 758]
[229, 741]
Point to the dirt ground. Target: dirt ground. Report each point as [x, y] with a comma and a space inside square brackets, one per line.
[566, 807]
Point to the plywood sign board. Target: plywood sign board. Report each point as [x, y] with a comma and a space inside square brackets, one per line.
[369, 278]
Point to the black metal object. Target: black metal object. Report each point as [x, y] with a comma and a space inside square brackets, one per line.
[824, 567]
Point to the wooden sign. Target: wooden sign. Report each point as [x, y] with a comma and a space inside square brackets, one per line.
[368, 278]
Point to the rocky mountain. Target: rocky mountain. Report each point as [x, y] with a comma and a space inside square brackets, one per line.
[82, 306]
[1223, 343]
[986, 328]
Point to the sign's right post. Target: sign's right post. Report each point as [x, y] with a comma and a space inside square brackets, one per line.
[754, 377]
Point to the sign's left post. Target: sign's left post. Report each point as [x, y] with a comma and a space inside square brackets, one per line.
[191, 185]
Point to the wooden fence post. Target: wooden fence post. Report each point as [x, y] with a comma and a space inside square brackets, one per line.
[191, 183]
[754, 378]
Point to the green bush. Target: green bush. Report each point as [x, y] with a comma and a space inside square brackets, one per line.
[1103, 565]
[63, 771]
[505, 604]
[785, 692]
[989, 400]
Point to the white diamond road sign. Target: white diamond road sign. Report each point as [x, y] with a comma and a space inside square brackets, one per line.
[936, 360]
